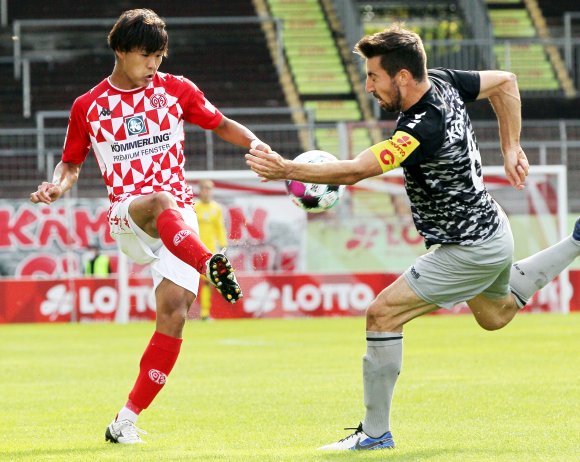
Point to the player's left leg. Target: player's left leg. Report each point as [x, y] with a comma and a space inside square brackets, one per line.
[497, 306]
[173, 303]
[531, 274]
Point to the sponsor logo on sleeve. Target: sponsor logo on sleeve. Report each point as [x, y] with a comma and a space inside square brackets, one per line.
[390, 153]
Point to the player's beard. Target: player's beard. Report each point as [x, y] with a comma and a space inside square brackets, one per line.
[395, 104]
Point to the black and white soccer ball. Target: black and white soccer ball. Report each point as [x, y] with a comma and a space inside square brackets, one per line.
[314, 198]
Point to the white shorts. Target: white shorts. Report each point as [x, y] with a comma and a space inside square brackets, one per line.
[144, 249]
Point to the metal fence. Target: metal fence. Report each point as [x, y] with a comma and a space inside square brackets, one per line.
[29, 154]
[54, 40]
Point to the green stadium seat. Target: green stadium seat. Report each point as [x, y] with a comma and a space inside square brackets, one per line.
[334, 110]
[327, 139]
[511, 23]
[530, 64]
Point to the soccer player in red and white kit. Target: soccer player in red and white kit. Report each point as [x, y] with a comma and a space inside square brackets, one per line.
[133, 121]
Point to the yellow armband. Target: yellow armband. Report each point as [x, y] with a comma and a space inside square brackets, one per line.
[390, 153]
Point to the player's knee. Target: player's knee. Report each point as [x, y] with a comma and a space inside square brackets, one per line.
[380, 318]
[493, 322]
[162, 201]
[172, 320]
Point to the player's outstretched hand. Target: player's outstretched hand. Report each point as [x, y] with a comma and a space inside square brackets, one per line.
[516, 166]
[263, 147]
[268, 165]
[46, 193]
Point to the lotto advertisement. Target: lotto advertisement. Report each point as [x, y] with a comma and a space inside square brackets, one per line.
[288, 263]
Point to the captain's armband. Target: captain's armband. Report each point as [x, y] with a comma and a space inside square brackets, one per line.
[390, 153]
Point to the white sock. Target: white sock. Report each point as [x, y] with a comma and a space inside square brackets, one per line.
[127, 414]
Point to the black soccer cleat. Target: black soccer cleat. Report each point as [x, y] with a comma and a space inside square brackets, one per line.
[221, 274]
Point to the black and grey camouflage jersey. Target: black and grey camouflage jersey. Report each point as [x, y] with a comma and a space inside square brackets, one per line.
[443, 175]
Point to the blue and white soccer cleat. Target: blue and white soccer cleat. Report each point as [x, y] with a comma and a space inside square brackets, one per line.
[360, 441]
[576, 232]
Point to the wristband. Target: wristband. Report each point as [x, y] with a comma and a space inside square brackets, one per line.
[255, 142]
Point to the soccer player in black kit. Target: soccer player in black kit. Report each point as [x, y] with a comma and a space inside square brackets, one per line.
[435, 145]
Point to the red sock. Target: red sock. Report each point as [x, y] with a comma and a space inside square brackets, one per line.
[156, 364]
[181, 240]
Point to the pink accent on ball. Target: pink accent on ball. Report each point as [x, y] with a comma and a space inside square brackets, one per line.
[296, 188]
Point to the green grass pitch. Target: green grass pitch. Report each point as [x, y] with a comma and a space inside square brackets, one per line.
[274, 390]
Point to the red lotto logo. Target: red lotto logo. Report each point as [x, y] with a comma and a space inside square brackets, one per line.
[158, 100]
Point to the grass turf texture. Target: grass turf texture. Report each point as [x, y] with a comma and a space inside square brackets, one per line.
[274, 390]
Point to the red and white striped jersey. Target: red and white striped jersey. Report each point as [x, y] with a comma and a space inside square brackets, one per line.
[137, 135]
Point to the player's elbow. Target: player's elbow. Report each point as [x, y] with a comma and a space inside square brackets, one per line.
[497, 84]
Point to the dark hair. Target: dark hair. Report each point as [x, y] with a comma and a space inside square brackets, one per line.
[398, 48]
[139, 29]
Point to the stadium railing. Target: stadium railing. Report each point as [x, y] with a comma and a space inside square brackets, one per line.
[29, 154]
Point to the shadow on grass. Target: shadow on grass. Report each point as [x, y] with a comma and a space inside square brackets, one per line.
[386, 454]
[89, 453]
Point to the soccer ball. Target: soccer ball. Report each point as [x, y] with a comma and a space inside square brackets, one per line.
[314, 198]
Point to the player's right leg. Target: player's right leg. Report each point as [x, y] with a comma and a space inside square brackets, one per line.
[159, 216]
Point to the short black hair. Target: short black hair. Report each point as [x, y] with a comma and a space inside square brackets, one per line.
[139, 29]
[398, 48]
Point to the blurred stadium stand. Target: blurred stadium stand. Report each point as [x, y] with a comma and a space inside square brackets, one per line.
[303, 86]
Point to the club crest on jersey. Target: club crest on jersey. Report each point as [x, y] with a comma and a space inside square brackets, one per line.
[158, 100]
[136, 125]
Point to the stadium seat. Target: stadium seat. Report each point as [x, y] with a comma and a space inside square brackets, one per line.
[529, 62]
[314, 59]
[512, 23]
[327, 139]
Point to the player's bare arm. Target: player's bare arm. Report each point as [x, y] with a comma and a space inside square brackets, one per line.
[273, 166]
[501, 89]
[65, 176]
[233, 132]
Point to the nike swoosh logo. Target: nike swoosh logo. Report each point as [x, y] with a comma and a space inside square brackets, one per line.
[359, 446]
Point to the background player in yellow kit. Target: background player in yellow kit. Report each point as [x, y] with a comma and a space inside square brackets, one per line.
[212, 232]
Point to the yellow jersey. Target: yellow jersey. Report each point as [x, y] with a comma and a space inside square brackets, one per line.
[212, 230]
